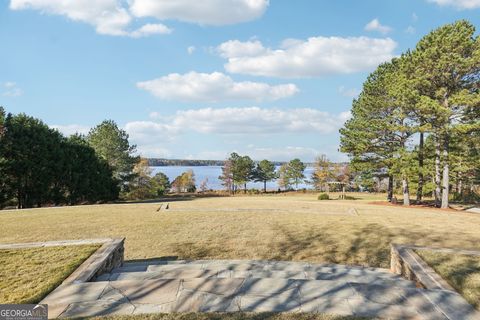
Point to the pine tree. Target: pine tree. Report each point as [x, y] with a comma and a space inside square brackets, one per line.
[264, 172]
[295, 169]
[111, 143]
[375, 134]
[446, 73]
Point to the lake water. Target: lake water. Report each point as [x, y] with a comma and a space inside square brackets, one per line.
[213, 172]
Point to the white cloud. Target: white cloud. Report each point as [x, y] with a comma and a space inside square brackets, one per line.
[248, 120]
[191, 49]
[414, 17]
[115, 17]
[375, 25]
[149, 29]
[70, 129]
[459, 4]
[151, 136]
[153, 151]
[238, 49]
[283, 154]
[11, 89]
[107, 16]
[258, 153]
[213, 87]
[205, 12]
[150, 131]
[348, 92]
[316, 56]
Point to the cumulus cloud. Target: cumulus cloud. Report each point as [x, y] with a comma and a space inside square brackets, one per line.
[115, 17]
[71, 129]
[258, 153]
[238, 49]
[152, 135]
[105, 15]
[284, 154]
[247, 120]
[11, 89]
[316, 56]
[153, 151]
[213, 87]
[206, 12]
[459, 4]
[375, 25]
[149, 29]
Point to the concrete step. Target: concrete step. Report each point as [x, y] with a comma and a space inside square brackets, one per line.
[381, 279]
[257, 295]
[248, 269]
[245, 265]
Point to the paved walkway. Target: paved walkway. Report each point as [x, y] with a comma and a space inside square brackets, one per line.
[226, 285]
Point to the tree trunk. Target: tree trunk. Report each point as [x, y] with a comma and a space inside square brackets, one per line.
[437, 172]
[420, 171]
[446, 175]
[406, 193]
[19, 202]
[390, 188]
[245, 188]
[264, 186]
[457, 182]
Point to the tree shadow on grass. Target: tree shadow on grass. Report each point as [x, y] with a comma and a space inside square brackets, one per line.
[368, 245]
[458, 270]
[195, 251]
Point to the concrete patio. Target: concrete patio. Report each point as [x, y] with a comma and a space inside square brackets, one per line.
[235, 285]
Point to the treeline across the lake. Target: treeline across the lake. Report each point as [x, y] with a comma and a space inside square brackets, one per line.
[417, 119]
[160, 162]
[39, 166]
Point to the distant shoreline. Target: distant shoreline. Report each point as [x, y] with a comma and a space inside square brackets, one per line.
[160, 162]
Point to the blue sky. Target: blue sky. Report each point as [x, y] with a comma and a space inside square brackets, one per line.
[271, 79]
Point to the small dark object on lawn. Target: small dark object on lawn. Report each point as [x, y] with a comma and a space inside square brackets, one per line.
[160, 208]
[166, 208]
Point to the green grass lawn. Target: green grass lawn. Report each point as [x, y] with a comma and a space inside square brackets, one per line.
[461, 271]
[28, 275]
[233, 316]
[280, 227]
